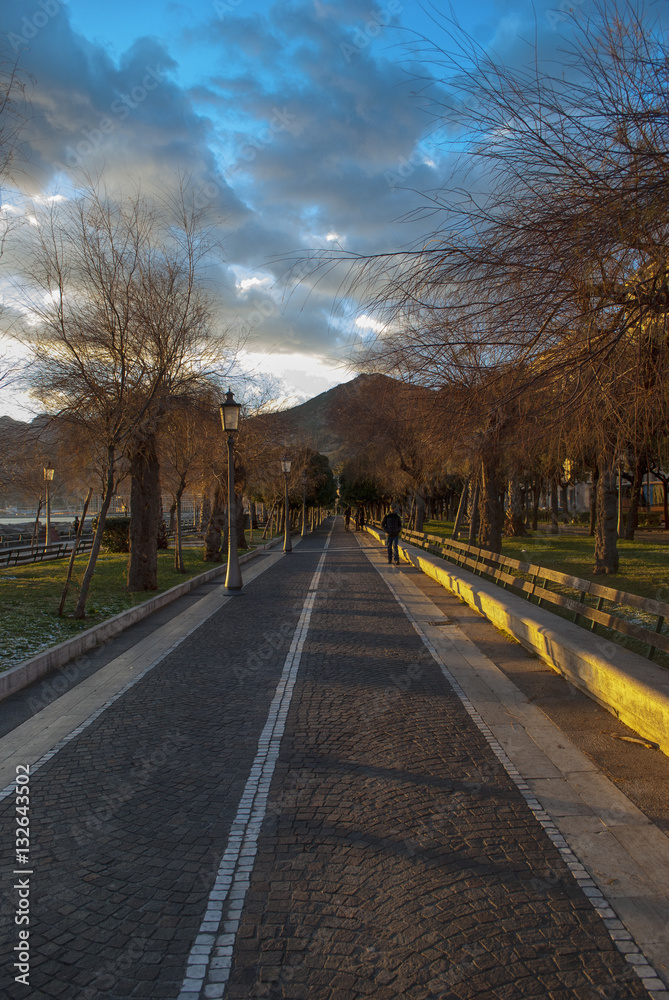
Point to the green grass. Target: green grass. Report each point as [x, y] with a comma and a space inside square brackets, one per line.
[441, 528]
[644, 566]
[30, 595]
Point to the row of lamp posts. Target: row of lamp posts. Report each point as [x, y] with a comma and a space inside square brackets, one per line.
[230, 419]
[230, 410]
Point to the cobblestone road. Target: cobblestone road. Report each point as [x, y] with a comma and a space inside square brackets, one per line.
[392, 854]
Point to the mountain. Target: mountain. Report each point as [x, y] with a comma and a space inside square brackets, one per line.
[316, 422]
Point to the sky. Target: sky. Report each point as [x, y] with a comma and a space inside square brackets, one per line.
[300, 124]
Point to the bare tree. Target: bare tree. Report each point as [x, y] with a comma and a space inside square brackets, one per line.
[14, 111]
[183, 451]
[122, 327]
[556, 273]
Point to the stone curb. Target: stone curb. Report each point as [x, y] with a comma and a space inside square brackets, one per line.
[632, 688]
[22, 674]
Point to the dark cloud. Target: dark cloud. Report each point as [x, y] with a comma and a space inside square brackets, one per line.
[306, 125]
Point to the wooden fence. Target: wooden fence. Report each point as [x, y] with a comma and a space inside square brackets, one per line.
[589, 603]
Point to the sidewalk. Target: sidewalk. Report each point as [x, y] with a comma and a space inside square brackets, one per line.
[290, 794]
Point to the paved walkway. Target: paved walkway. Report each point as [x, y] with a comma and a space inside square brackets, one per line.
[289, 794]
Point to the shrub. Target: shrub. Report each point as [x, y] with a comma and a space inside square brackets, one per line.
[650, 520]
[116, 535]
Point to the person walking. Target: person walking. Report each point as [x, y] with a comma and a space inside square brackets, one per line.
[392, 525]
[347, 518]
[359, 518]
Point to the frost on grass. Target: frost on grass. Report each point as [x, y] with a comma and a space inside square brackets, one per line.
[23, 634]
[29, 598]
[26, 631]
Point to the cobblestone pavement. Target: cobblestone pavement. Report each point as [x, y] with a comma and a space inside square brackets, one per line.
[395, 858]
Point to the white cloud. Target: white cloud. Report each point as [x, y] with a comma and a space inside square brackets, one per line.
[369, 323]
[302, 376]
[48, 199]
[247, 283]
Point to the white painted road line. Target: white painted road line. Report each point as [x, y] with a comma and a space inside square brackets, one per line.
[210, 960]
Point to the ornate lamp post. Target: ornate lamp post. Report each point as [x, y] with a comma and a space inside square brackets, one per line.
[287, 544]
[230, 420]
[48, 477]
[304, 504]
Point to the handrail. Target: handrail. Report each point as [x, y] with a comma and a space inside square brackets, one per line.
[38, 553]
[16, 539]
[531, 581]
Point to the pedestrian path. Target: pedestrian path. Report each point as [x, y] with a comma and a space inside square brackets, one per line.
[290, 794]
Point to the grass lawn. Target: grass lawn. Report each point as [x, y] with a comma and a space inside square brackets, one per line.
[30, 595]
[644, 565]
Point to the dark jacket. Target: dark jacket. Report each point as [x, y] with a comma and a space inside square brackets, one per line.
[392, 524]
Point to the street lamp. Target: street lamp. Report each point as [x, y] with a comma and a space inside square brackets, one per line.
[304, 504]
[287, 544]
[230, 420]
[48, 478]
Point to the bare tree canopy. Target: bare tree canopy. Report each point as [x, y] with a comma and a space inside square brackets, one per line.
[544, 276]
[122, 330]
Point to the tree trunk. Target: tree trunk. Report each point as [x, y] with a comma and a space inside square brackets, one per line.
[145, 514]
[205, 512]
[513, 524]
[555, 510]
[593, 499]
[462, 506]
[606, 535]
[536, 494]
[70, 567]
[420, 511]
[491, 507]
[80, 610]
[268, 523]
[527, 509]
[632, 520]
[474, 514]
[412, 514]
[178, 550]
[35, 538]
[217, 521]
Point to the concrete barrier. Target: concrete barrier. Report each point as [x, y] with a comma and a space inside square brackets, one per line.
[23, 674]
[630, 687]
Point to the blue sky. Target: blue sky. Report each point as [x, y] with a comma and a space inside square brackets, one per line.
[292, 120]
